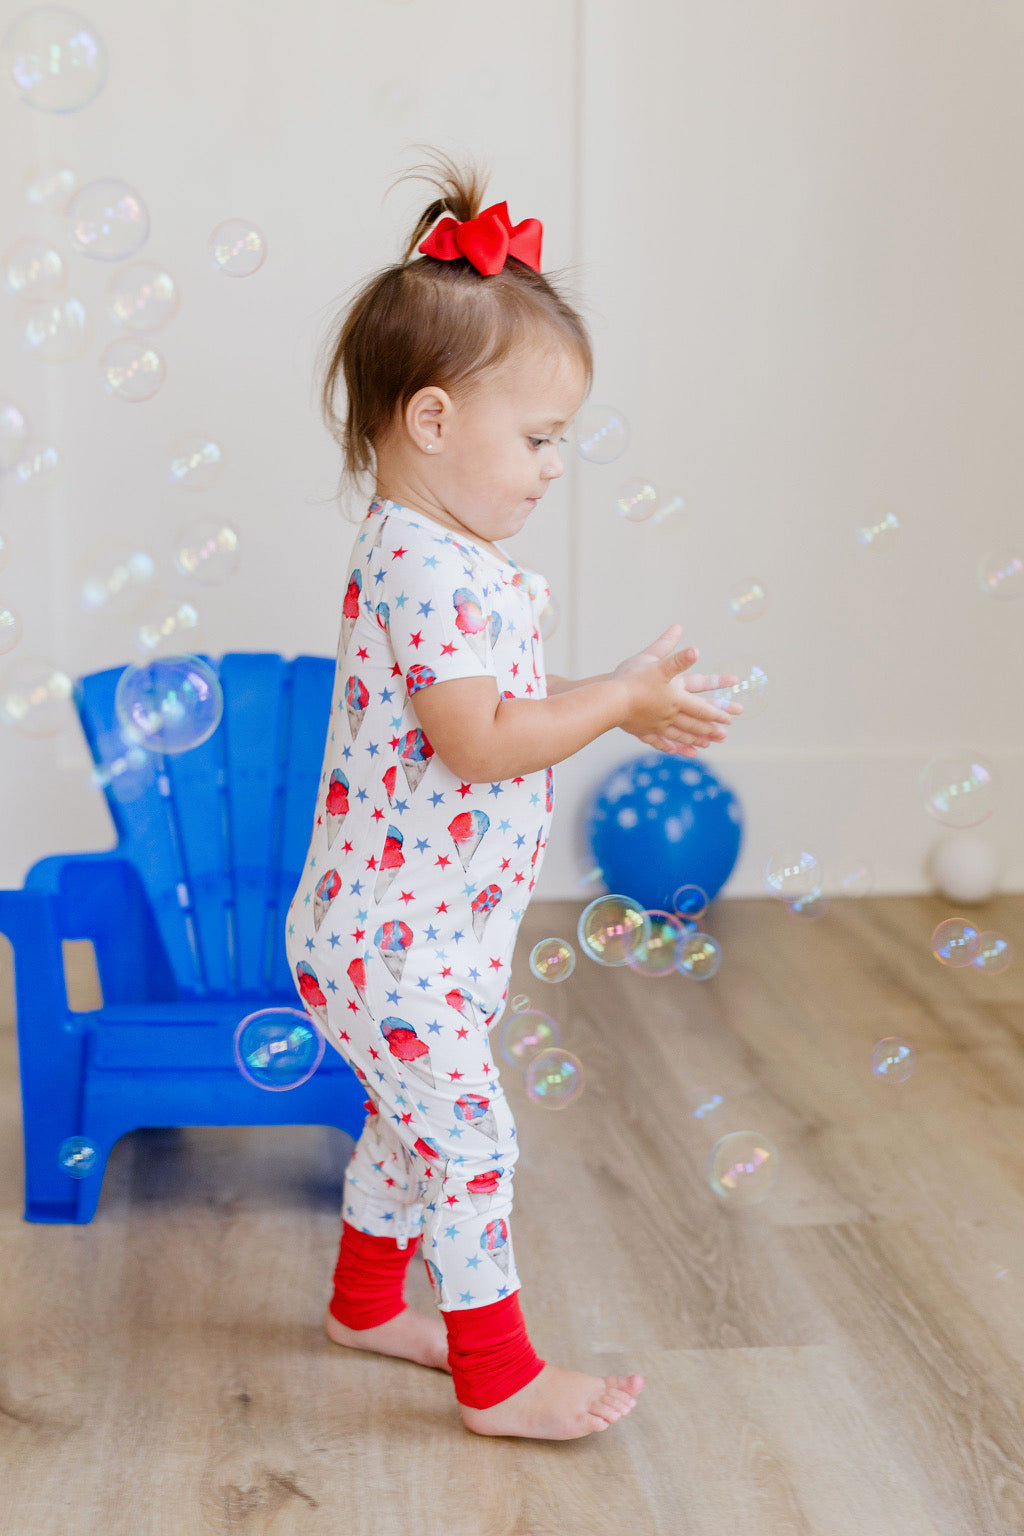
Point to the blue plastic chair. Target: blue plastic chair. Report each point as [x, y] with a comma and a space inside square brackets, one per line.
[188, 935]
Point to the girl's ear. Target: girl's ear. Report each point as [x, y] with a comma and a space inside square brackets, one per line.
[425, 413]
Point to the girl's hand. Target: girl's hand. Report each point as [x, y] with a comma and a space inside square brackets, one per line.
[689, 735]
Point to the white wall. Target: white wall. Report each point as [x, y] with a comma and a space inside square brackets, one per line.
[799, 236]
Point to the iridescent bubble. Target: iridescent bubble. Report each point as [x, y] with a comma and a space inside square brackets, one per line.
[164, 624]
[636, 500]
[588, 871]
[548, 619]
[238, 248]
[699, 956]
[610, 926]
[524, 1034]
[790, 872]
[108, 221]
[208, 550]
[747, 600]
[554, 1078]
[602, 434]
[48, 183]
[34, 697]
[13, 432]
[142, 297]
[132, 369]
[77, 1156]
[124, 770]
[892, 1059]
[750, 690]
[959, 791]
[39, 467]
[743, 1168]
[655, 954]
[552, 960]
[955, 942]
[993, 953]
[10, 629]
[54, 58]
[690, 902]
[56, 330]
[278, 1048]
[33, 269]
[668, 505]
[879, 532]
[171, 704]
[519, 1003]
[1001, 573]
[196, 461]
[809, 907]
[111, 576]
[702, 1102]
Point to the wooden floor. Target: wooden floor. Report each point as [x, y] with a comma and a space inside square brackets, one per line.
[842, 1360]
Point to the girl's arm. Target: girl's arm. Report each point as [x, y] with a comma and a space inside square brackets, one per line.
[558, 684]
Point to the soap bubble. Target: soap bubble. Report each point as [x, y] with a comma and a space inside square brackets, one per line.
[56, 330]
[38, 468]
[750, 690]
[278, 1048]
[699, 956]
[142, 296]
[237, 248]
[743, 1168]
[588, 871]
[552, 960]
[519, 1003]
[548, 622]
[108, 220]
[655, 954]
[880, 532]
[809, 907]
[10, 629]
[959, 791]
[132, 369]
[111, 576]
[525, 1033]
[171, 704]
[993, 953]
[33, 269]
[667, 505]
[196, 461]
[208, 550]
[851, 879]
[124, 770]
[690, 902]
[13, 432]
[554, 1078]
[702, 1102]
[1001, 573]
[955, 942]
[790, 871]
[54, 58]
[34, 697]
[49, 182]
[892, 1059]
[636, 500]
[610, 927]
[602, 434]
[747, 600]
[77, 1156]
[164, 623]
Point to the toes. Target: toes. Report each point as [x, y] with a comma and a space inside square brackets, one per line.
[631, 1385]
[619, 1399]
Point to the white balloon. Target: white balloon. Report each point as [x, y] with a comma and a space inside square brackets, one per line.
[965, 868]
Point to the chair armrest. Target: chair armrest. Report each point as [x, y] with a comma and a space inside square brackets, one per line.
[29, 919]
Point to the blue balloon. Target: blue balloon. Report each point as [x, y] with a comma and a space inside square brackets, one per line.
[661, 821]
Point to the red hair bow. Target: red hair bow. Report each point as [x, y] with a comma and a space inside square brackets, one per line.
[488, 240]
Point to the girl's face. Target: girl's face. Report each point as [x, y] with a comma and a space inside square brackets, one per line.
[483, 462]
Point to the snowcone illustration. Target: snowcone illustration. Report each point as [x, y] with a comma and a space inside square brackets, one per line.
[391, 861]
[428, 1149]
[419, 676]
[483, 1189]
[549, 789]
[473, 1109]
[313, 999]
[460, 1001]
[350, 607]
[415, 752]
[388, 778]
[435, 1276]
[357, 976]
[495, 627]
[483, 904]
[467, 828]
[406, 1047]
[494, 1242]
[337, 804]
[357, 696]
[330, 885]
[382, 613]
[392, 940]
[470, 620]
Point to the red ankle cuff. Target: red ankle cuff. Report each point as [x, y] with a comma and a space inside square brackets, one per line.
[490, 1353]
[369, 1278]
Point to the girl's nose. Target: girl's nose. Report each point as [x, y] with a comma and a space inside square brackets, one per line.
[554, 470]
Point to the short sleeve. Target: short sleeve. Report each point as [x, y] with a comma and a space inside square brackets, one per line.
[433, 600]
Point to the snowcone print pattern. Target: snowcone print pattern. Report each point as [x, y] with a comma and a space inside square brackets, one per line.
[549, 790]
[483, 904]
[470, 620]
[309, 990]
[357, 696]
[392, 941]
[415, 752]
[391, 861]
[419, 676]
[406, 1047]
[388, 778]
[356, 974]
[325, 893]
[467, 830]
[383, 615]
[350, 607]
[473, 1109]
[494, 1242]
[337, 804]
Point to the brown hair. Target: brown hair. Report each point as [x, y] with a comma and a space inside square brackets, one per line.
[429, 321]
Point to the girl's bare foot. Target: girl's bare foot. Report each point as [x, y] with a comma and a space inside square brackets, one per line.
[410, 1336]
[557, 1405]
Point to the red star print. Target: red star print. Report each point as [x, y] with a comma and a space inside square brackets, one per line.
[390, 1181]
[463, 1033]
[396, 554]
[443, 860]
[396, 670]
[319, 821]
[407, 1119]
[363, 653]
[486, 1068]
[416, 639]
[443, 907]
[374, 1054]
[515, 668]
[517, 781]
[446, 972]
[342, 1035]
[448, 650]
[378, 814]
[495, 964]
[454, 1076]
[359, 935]
[465, 789]
[406, 896]
[393, 743]
[371, 863]
[516, 878]
[505, 864]
[529, 687]
[451, 1200]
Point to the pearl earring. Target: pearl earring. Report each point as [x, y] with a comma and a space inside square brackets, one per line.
[428, 446]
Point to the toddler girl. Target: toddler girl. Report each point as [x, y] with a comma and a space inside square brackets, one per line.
[462, 369]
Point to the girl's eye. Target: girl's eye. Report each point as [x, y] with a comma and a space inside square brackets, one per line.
[536, 440]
